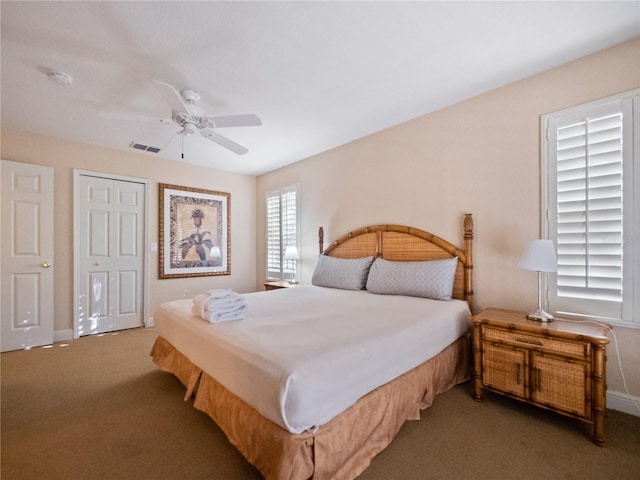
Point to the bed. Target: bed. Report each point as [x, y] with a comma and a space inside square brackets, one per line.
[318, 396]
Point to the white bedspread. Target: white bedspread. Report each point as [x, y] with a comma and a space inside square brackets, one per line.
[303, 355]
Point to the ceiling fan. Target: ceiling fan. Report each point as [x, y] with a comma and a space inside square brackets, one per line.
[192, 119]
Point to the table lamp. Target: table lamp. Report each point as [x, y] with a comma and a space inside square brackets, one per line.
[540, 256]
[291, 253]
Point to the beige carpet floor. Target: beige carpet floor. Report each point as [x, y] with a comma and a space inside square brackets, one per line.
[98, 408]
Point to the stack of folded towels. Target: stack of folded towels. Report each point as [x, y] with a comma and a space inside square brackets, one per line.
[219, 306]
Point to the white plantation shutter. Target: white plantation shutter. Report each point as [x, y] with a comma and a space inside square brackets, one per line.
[274, 252]
[282, 231]
[590, 196]
[589, 221]
[289, 211]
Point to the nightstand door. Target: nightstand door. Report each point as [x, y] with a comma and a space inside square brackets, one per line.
[505, 368]
[561, 383]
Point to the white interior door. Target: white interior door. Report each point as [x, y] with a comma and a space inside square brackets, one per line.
[110, 255]
[26, 280]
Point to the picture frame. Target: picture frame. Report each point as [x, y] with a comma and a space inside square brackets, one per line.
[194, 232]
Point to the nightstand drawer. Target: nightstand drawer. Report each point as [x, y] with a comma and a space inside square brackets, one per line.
[565, 347]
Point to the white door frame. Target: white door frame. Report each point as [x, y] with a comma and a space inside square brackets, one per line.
[76, 241]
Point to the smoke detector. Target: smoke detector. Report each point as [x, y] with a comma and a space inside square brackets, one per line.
[61, 78]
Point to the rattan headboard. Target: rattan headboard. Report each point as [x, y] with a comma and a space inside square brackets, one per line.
[400, 243]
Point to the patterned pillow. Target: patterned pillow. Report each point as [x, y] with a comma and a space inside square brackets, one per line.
[429, 279]
[344, 273]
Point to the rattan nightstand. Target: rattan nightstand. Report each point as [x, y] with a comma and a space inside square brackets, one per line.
[560, 365]
[276, 284]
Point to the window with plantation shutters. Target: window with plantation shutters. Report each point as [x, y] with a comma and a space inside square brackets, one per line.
[591, 192]
[282, 231]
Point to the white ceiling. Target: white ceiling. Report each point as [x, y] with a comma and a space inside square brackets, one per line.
[318, 74]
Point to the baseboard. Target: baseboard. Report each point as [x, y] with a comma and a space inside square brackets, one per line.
[149, 322]
[621, 402]
[62, 335]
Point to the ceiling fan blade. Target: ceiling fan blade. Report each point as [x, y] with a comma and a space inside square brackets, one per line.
[141, 118]
[223, 141]
[172, 97]
[248, 120]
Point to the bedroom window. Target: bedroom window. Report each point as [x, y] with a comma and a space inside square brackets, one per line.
[591, 184]
[282, 232]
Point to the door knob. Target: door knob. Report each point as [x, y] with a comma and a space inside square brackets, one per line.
[45, 264]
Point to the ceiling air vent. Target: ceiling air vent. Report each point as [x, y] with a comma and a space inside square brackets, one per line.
[146, 148]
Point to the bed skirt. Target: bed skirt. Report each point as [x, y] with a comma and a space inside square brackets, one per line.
[340, 449]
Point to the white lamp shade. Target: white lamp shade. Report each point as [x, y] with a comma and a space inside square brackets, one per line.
[291, 253]
[215, 252]
[540, 256]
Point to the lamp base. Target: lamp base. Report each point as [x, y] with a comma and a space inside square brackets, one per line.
[540, 316]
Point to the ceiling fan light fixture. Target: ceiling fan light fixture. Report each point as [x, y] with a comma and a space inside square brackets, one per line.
[190, 128]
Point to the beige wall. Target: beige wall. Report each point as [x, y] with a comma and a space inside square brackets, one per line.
[480, 156]
[65, 156]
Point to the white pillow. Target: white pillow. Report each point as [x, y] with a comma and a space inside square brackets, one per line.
[344, 273]
[428, 279]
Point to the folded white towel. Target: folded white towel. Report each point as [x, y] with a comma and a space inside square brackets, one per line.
[218, 293]
[219, 306]
[219, 317]
[207, 304]
[213, 304]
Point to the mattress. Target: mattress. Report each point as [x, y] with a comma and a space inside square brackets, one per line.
[303, 355]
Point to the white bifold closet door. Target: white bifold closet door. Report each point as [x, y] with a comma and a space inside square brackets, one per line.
[110, 256]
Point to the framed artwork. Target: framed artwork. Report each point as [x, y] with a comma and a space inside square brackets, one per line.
[195, 236]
